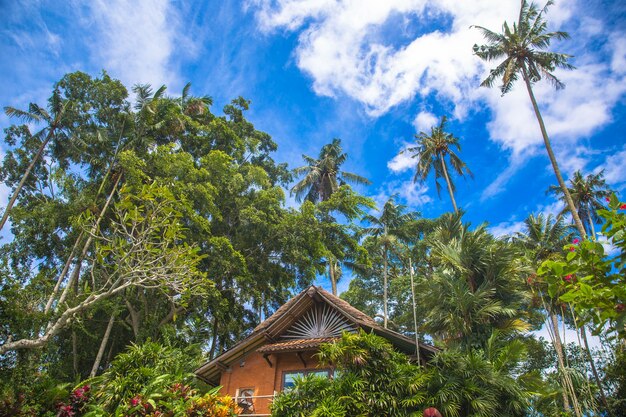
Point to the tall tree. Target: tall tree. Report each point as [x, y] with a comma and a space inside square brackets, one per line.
[544, 239]
[522, 49]
[588, 193]
[322, 176]
[52, 118]
[431, 152]
[389, 229]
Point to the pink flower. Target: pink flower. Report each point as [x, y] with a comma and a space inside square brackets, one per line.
[575, 241]
[608, 199]
[567, 278]
[134, 401]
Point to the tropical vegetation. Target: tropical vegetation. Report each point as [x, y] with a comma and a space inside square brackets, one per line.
[149, 233]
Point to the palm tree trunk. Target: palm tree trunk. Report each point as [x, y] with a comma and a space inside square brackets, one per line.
[103, 344]
[445, 174]
[417, 341]
[591, 226]
[558, 347]
[583, 332]
[385, 308]
[17, 191]
[331, 275]
[555, 165]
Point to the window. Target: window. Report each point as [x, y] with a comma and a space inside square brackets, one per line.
[289, 377]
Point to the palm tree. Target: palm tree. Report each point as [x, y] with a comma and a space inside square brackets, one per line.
[544, 239]
[387, 230]
[322, 176]
[472, 287]
[587, 193]
[431, 152]
[35, 113]
[522, 50]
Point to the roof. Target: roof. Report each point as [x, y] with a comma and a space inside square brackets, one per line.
[295, 345]
[264, 337]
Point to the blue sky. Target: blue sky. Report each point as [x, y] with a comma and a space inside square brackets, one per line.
[372, 73]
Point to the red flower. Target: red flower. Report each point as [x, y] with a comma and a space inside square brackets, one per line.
[567, 278]
[431, 412]
[575, 241]
[623, 207]
[620, 307]
[572, 249]
[134, 401]
[608, 199]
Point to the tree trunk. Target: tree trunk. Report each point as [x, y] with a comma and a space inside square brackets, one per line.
[385, 309]
[449, 184]
[214, 337]
[558, 347]
[417, 341]
[555, 166]
[75, 353]
[17, 191]
[88, 243]
[134, 319]
[66, 267]
[331, 275]
[583, 332]
[103, 344]
[591, 226]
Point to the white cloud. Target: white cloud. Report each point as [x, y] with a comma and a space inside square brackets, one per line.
[136, 39]
[413, 195]
[403, 161]
[424, 121]
[614, 168]
[342, 47]
[506, 228]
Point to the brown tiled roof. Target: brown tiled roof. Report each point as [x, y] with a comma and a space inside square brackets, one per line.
[360, 317]
[295, 345]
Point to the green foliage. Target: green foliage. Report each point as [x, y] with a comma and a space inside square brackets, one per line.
[371, 379]
[591, 279]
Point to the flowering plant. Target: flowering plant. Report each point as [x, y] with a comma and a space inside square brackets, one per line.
[592, 275]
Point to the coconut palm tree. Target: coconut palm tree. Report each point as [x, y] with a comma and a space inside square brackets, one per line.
[322, 176]
[588, 193]
[522, 48]
[52, 117]
[388, 230]
[431, 152]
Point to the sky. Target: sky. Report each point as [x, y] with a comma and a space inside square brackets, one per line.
[373, 73]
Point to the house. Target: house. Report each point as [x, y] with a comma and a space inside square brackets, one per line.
[284, 347]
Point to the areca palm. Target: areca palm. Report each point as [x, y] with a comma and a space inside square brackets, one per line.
[543, 239]
[522, 48]
[473, 285]
[322, 176]
[587, 193]
[387, 230]
[431, 152]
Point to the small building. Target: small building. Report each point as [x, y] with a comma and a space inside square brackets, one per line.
[283, 347]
